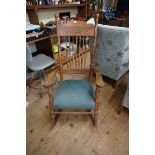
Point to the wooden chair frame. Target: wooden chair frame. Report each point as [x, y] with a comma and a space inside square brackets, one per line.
[76, 29]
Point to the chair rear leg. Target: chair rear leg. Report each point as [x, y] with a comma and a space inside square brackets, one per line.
[115, 84]
[42, 77]
[91, 117]
[30, 83]
[55, 118]
[41, 92]
[119, 110]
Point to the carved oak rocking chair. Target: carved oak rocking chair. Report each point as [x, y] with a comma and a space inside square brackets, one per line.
[75, 96]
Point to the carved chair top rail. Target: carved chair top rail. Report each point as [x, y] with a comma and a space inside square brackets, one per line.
[75, 29]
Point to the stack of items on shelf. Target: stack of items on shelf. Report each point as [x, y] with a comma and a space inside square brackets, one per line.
[95, 5]
[53, 2]
[30, 2]
[75, 1]
[32, 30]
[109, 13]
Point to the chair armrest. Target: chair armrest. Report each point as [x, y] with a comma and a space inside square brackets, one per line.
[48, 81]
[99, 80]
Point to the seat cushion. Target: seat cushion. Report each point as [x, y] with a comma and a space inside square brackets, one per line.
[74, 94]
[40, 62]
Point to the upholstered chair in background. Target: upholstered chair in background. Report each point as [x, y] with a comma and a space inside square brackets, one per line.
[112, 51]
[125, 102]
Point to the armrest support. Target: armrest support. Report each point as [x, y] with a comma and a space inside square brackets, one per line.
[48, 84]
[48, 81]
[99, 80]
[50, 97]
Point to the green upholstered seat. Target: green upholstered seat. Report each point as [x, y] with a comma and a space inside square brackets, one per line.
[74, 94]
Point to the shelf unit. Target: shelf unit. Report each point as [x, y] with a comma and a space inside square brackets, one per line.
[93, 14]
[93, 10]
[32, 10]
[55, 6]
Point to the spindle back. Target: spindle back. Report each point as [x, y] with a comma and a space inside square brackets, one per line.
[73, 38]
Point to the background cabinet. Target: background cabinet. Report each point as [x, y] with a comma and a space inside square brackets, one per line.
[33, 8]
[96, 6]
[121, 6]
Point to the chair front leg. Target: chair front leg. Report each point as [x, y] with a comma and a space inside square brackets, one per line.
[96, 106]
[99, 83]
[49, 91]
[95, 118]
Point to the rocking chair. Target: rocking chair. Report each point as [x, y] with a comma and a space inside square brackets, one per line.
[75, 96]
